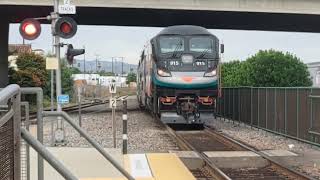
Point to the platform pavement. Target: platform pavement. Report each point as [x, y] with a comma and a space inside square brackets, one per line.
[82, 162]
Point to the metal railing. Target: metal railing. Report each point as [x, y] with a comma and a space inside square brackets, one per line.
[11, 129]
[10, 133]
[24, 148]
[291, 112]
[90, 140]
[39, 96]
[44, 153]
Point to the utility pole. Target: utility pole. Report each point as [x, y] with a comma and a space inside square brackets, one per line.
[84, 59]
[97, 55]
[115, 66]
[112, 66]
[122, 67]
[121, 71]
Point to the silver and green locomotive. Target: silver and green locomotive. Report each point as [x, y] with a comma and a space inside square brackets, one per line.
[178, 78]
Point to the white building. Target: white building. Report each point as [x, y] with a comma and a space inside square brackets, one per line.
[96, 79]
[314, 69]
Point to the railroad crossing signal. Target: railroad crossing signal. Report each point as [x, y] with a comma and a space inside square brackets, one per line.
[73, 52]
[30, 29]
[65, 27]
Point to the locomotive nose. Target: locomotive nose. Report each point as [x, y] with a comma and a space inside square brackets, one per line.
[187, 79]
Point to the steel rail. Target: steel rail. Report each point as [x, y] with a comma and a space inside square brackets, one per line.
[292, 172]
[184, 145]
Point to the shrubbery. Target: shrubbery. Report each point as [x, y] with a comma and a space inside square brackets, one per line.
[268, 68]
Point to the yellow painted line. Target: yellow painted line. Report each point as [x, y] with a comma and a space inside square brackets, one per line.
[105, 179]
[116, 179]
[168, 167]
[126, 163]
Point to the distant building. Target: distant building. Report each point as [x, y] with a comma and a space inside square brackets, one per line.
[39, 52]
[96, 79]
[314, 69]
[15, 49]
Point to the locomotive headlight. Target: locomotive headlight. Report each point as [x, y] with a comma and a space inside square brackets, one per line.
[210, 73]
[163, 73]
[187, 59]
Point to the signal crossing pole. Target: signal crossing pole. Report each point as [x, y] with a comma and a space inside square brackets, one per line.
[66, 28]
[55, 15]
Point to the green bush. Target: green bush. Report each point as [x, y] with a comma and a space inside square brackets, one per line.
[267, 68]
[31, 71]
[132, 77]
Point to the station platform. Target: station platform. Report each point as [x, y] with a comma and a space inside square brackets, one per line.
[88, 164]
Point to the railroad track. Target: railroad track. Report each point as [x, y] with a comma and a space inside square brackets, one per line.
[209, 170]
[75, 108]
[70, 108]
[211, 140]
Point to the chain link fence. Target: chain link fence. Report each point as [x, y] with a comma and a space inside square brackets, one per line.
[10, 118]
[292, 112]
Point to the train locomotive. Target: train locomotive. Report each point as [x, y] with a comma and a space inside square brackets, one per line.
[178, 78]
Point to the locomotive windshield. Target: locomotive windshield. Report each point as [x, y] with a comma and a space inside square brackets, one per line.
[171, 44]
[201, 44]
[187, 53]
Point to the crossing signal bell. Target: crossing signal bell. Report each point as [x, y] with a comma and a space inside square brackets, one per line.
[30, 29]
[65, 27]
[73, 52]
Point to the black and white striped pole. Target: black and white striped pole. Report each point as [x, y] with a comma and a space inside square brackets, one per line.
[124, 127]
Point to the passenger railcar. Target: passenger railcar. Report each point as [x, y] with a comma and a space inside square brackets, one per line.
[177, 76]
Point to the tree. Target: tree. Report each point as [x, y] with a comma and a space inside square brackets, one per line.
[268, 68]
[132, 77]
[272, 68]
[66, 78]
[233, 74]
[31, 71]
[104, 73]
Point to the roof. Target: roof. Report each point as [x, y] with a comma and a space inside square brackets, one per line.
[19, 48]
[313, 64]
[184, 30]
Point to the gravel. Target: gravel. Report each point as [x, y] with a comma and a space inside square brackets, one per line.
[307, 162]
[144, 133]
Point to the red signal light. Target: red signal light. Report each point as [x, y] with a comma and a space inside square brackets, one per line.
[30, 29]
[66, 28]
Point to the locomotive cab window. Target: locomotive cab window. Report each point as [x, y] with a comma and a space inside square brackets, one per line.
[201, 44]
[170, 44]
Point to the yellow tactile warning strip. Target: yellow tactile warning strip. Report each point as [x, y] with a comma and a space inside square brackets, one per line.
[164, 166]
[168, 167]
[117, 179]
[105, 179]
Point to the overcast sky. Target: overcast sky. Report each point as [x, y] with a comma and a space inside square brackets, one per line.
[117, 41]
